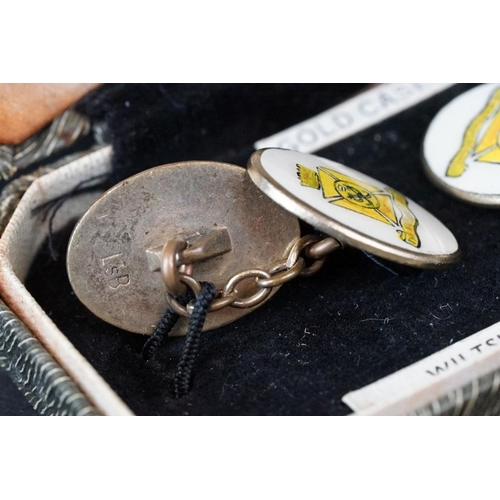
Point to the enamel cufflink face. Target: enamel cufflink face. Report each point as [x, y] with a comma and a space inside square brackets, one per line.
[145, 240]
[355, 209]
[462, 146]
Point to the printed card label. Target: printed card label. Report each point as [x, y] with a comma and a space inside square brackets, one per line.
[352, 116]
[416, 385]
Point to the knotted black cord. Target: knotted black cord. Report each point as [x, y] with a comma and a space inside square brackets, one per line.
[200, 308]
[164, 327]
[184, 370]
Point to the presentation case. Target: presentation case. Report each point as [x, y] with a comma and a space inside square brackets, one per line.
[359, 320]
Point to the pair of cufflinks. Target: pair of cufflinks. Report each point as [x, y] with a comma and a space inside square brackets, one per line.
[168, 229]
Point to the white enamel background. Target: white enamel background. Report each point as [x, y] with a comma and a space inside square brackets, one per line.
[280, 164]
[444, 138]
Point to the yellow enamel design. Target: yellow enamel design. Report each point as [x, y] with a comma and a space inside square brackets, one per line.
[382, 204]
[481, 139]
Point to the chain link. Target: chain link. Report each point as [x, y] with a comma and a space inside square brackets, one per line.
[310, 247]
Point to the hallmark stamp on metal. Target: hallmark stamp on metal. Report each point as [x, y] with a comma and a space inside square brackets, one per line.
[115, 271]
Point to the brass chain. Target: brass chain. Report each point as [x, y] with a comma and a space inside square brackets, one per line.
[311, 247]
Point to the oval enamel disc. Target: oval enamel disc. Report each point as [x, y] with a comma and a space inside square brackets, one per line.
[354, 208]
[114, 254]
[462, 146]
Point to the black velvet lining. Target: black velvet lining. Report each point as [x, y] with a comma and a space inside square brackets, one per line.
[317, 338]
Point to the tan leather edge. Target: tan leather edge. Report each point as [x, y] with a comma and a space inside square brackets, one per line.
[25, 108]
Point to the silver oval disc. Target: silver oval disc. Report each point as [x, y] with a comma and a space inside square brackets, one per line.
[462, 146]
[113, 255]
[354, 208]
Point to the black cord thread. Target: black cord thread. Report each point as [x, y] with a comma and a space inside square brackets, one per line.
[184, 370]
[51, 207]
[164, 327]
